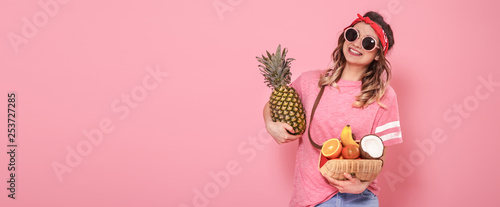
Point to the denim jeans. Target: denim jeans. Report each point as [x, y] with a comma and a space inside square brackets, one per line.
[364, 199]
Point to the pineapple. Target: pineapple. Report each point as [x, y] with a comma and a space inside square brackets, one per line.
[284, 102]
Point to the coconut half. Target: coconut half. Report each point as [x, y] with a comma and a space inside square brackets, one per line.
[371, 147]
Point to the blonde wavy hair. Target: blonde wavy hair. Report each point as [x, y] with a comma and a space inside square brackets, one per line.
[374, 81]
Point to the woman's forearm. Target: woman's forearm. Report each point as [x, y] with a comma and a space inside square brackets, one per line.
[267, 113]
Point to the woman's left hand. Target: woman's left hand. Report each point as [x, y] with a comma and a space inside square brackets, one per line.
[351, 185]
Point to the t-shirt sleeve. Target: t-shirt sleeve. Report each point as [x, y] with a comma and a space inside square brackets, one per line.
[387, 125]
[297, 85]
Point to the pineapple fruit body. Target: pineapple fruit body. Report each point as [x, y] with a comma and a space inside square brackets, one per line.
[287, 107]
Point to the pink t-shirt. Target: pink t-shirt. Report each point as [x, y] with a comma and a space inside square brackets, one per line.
[334, 111]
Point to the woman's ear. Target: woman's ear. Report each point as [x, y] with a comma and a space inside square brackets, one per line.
[377, 56]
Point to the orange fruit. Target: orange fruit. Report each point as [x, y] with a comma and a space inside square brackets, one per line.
[350, 152]
[331, 148]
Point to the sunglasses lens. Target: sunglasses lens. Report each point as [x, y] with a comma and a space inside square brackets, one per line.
[351, 35]
[369, 43]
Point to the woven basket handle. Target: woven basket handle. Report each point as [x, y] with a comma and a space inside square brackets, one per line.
[318, 98]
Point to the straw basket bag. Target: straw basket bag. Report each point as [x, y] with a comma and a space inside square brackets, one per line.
[363, 169]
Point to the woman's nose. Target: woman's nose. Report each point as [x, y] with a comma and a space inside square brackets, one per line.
[357, 42]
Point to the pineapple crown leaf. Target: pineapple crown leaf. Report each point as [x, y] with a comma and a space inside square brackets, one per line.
[276, 68]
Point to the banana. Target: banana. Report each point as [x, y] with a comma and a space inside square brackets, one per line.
[346, 136]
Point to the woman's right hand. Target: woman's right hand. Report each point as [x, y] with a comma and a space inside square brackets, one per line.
[278, 130]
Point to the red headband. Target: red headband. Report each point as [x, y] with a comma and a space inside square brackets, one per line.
[378, 30]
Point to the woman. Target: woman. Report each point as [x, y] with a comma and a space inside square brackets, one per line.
[357, 94]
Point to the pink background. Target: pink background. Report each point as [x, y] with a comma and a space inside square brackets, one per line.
[202, 117]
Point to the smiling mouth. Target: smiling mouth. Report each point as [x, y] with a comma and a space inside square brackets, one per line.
[354, 52]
